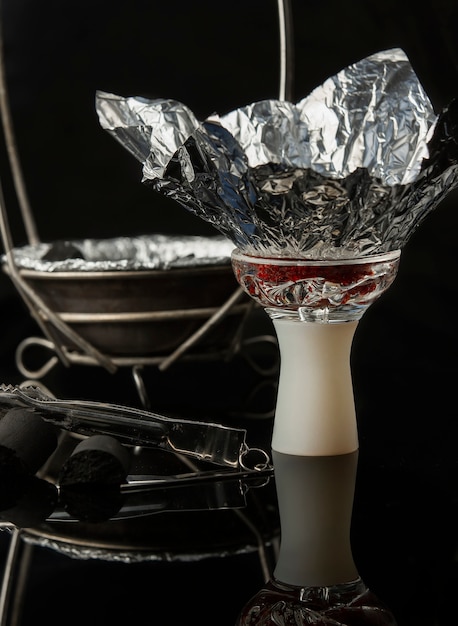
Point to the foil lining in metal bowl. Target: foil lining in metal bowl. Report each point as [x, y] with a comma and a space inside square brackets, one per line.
[145, 252]
[137, 296]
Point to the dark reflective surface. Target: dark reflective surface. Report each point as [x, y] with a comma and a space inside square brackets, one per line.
[404, 530]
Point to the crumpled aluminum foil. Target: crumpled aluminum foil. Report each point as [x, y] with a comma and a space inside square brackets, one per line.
[146, 252]
[350, 170]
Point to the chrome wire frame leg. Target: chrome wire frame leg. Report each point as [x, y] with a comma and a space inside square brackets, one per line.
[14, 579]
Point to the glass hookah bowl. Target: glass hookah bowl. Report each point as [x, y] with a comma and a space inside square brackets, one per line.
[309, 290]
[315, 306]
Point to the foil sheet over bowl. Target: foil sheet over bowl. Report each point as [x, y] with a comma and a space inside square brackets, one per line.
[135, 297]
[350, 170]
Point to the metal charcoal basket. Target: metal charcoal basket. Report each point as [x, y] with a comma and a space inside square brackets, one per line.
[130, 301]
[103, 314]
[106, 314]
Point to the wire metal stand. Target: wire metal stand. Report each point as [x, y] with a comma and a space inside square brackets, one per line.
[56, 326]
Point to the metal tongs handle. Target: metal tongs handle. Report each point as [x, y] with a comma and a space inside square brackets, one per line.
[204, 441]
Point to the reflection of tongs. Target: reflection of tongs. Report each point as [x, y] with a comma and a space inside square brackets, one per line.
[204, 441]
[140, 497]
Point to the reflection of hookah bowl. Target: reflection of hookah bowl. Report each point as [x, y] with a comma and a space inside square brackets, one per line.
[315, 306]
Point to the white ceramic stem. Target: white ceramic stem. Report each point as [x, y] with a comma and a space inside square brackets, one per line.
[315, 411]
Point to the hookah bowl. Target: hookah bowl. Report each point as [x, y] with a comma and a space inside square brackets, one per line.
[315, 307]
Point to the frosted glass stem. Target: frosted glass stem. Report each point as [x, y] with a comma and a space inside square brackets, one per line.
[315, 410]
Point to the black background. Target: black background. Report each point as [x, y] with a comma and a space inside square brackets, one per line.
[216, 56]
